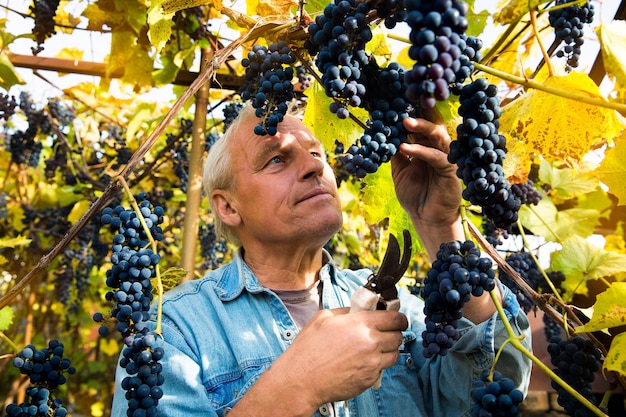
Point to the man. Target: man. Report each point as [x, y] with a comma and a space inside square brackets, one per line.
[269, 334]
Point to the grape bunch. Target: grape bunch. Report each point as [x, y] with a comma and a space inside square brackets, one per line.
[231, 111]
[44, 12]
[387, 107]
[133, 263]
[438, 40]
[568, 23]
[269, 71]
[527, 193]
[457, 274]
[143, 383]
[338, 37]
[46, 369]
[576, 361]
[479, 152]
[496, 397]
[526, 267]
[7, 106]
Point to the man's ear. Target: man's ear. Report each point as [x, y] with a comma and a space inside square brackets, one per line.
[227, 212]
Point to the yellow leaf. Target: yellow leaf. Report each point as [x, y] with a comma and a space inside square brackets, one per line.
[78, 210]
[612, 170]
[556, 127]
[71, 53]
[517, 163]
[510, 10]
[612, 38]
[160, 25]
[170, 278]
[109, 347]
[14, 242]
[616, 356]
[609, 309]
[172, 6]
[275, 8]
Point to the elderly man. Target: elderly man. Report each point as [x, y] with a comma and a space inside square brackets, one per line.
[269, 334]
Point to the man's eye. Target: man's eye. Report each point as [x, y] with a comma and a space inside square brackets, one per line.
[316, 154]
[276, 160]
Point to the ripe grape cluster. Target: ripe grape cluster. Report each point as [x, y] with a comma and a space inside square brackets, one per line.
[576, 361]
[44, 12]
[437, 35]
[457, 274]
[387, 106]
[527, 193]
[7, 106]
[479, 152]
[46, 369]
[568, 23]
[212, 250]
[133, 266]
[269, 71]
[231, 111]
[496, 397]
[338, 37]
[133, 263]
[526, 267]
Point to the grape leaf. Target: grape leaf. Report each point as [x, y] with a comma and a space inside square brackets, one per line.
[608, 310]
[616, 356]
[581, 260]
[160, 25]
[8, 74]
[566, 183]
[612, 38]
[275, 8]
[559, 128]
[6, 317]
[546, 220]
[612, 170]
[14, 242]
[379, 202]
[509, 11]
[325, 125]
[172, 6]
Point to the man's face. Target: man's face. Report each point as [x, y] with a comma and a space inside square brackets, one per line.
[285, 190]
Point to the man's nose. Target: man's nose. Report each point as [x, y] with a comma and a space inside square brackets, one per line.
[312, 166]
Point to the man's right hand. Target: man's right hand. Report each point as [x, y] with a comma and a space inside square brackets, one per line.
[336, 356]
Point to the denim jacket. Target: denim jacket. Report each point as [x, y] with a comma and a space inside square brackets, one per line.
[222, 331]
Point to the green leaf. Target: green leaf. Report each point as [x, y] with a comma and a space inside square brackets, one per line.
[134, 13]
[325, 125]
[509, 11]
[314, 6]
[608, 310]
[566, 183]
[616, 356]
[581, 260]
[6, 317]
[170, 278]
[8, 74]
[379, 202]
[546, 220]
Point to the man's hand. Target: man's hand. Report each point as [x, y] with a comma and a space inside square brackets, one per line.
[336, 356]
[426, 183]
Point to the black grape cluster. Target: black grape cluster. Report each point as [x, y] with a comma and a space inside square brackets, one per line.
[568, 23]
[458, 273]
[527, 193]
[392, 12]
[231, 111]
[60, 111]
[212, 250]
[492, 234]
[269, 72]
[338, 37]
[133, 263]
[387, 106]
[525, 265]
[23, 144]
[497, 397]
[304, 77]
[130, 279]
[479, 152]
[437, 35]
[576, 361]
[7, 106]
[44, 12]
[46, 369]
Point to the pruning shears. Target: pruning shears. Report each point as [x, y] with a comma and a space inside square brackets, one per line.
[380, 291]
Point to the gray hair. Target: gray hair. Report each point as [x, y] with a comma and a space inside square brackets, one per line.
[217, 171]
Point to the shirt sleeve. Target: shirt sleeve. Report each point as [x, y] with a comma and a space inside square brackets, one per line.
[184, 394]
[446, 381]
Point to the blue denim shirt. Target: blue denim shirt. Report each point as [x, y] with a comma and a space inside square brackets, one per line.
[222, 331]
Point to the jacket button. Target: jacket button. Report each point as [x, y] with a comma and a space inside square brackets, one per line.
[288, 334]
[409, 362]
[324, 410]
[227, 410]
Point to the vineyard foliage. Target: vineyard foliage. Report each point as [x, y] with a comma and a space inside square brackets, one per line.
[68, 157]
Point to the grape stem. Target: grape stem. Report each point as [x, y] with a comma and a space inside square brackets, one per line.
[516, 341]
[146, 229]
[546, 57]
[545, 224]
[9, 342]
